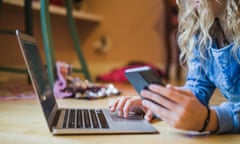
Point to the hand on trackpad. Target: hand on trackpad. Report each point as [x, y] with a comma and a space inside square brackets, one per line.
[131, 116]
[135, 116]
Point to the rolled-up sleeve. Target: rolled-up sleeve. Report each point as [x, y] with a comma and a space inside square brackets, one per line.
[225, 118]
[197, 81]
[229, 117]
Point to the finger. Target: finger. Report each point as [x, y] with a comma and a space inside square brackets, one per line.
[160, 100]
[121, 105]
[168, 93]
[148, 116]
[129, 104]
[161, 112]
[114, 104]
[180, 90]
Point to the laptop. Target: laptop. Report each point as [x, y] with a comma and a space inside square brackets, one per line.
[69, 120]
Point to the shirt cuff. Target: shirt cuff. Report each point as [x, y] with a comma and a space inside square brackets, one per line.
[225, 119]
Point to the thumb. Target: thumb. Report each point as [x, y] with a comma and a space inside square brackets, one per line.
[180, 90]
[148, 115]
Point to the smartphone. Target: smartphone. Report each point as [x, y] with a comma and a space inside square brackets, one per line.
[141, 77]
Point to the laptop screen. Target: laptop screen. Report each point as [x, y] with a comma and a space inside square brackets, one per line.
[40, 77]
[38, 74]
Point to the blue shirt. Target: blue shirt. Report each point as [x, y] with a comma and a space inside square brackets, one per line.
[219, 69]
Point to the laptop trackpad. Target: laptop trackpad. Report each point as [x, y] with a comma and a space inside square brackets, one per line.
[132, 116]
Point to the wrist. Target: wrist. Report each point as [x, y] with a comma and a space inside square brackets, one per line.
[206, 120]
[213, 123]
[210, 122]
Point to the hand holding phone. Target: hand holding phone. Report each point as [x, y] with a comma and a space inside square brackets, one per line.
[141, 77]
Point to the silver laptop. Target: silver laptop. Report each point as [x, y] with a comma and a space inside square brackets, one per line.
[73, 121]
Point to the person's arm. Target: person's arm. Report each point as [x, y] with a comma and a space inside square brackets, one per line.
[228, 114]
[225, 116]
[197, 80]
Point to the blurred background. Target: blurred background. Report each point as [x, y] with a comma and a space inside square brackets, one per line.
[111, 34]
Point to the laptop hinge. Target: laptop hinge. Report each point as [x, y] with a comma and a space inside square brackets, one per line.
[56, 118]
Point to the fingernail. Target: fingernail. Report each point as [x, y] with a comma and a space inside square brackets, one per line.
[146, 118]
[111, 108]
[168, 86]
[144, 102]
[120, 113]
[152, 87]
[142, 92]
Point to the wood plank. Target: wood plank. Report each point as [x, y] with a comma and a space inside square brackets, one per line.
[58, 10]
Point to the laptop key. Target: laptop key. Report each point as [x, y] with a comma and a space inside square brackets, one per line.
[71, 123]
[94, 119]
[86, 119]
[79, 119]
[65, 119]
[102, 119]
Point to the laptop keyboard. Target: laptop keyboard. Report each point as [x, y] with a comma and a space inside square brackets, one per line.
[84, 118]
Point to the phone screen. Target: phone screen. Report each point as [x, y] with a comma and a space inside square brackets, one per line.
[140, 78]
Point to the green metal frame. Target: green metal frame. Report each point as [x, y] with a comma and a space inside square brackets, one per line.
[47, 40]
[48, 45]
[76, 42]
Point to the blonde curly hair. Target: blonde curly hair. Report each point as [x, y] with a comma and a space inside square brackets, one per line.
[194, 22]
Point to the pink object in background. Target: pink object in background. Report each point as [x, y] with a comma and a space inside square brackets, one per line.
[117, 75]
[68, 86]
